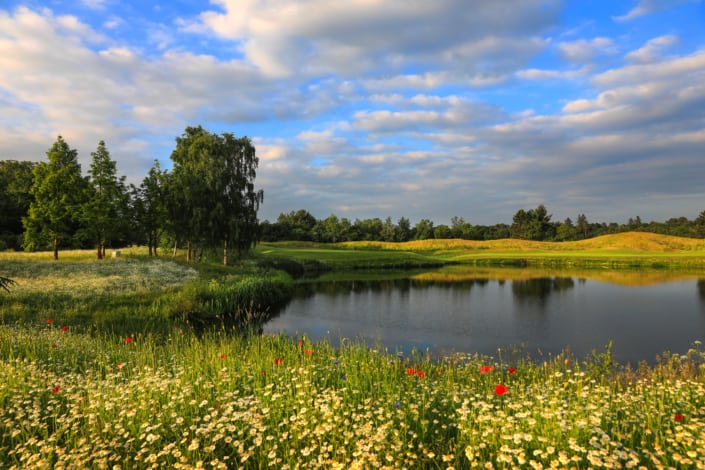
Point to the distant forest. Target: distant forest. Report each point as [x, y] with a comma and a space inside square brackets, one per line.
[527, 224]
[208, 201]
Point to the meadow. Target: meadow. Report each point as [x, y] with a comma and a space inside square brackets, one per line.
[71, 398]
[101, 367]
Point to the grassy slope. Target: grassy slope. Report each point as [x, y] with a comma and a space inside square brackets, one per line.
[623, 249]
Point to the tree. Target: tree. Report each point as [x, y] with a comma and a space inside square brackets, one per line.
[59, 192]
[699, 225]
[565, 231]
[15, 199]
[403, 231]
[582, 225]
[104, 213]
[540, 224]
[331, 229]
[297, 225]
[533, 224]
[423, 229]
[520, 223]
[442, 231]
[150, 206]
[388, 230]
[212, 198]
[459, 228]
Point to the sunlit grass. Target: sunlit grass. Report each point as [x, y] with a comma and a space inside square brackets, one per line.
[69, 399]
[623, 250]
[153, 293]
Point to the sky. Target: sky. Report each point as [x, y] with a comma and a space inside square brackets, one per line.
[376, 108]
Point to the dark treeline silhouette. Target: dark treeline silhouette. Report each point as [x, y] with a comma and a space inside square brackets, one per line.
[206, 202]
[531, 224]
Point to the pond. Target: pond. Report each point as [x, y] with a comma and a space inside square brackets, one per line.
[474, 310]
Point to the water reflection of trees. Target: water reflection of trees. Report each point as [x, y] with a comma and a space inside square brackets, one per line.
[701, 289]
[539, 289]
[334, 288]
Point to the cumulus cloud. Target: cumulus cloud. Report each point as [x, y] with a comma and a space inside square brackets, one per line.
[652, 50]
[318, 36]
[583, 51]
[368, 109]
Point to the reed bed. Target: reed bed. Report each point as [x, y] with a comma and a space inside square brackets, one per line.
[70, 399]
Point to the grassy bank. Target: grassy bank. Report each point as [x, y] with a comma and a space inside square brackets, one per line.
[69, 399]
[624, 250]
[137, 292]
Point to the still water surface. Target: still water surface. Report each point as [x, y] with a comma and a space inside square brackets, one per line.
[481, 311]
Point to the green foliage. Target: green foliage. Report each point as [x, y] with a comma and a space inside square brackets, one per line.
[212, 199]
[15, 199]
[59, 192]
[533, 224]
[423, 230]
[149, 207]
[105, 213]
[243, 303]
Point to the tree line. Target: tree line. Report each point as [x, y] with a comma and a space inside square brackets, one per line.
[208, 199]
[527, 224]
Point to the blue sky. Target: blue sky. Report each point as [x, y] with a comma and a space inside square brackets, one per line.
[376, 108]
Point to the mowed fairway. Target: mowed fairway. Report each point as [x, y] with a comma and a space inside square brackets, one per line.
[635, 249]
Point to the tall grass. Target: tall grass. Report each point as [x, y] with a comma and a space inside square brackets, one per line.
[243, 302]
[69, 399]
[133, 291]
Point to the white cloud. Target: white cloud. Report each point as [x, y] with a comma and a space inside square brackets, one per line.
[583, 51]
[479, 38]
[646, 7]
[538, 74]
[651, 51]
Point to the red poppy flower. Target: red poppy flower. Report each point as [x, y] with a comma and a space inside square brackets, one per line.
[500, 390]
[223, 356]
[49, 320]
[308, 352]
[54, 346]
[300, 343]
[410, 371]
[128, 340]
[64, 328]
[277, 361]
[56, 389]
[264, 373]
[679, 417]
[421, 374]
[485, 369]
[512, 370]
[119, 365]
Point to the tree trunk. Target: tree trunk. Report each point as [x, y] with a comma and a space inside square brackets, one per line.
[99, 254]
[176, 245]
[56, 248]
[188, 251]
[225, 252]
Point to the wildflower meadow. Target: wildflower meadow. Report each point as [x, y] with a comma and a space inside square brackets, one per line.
[74, 398]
